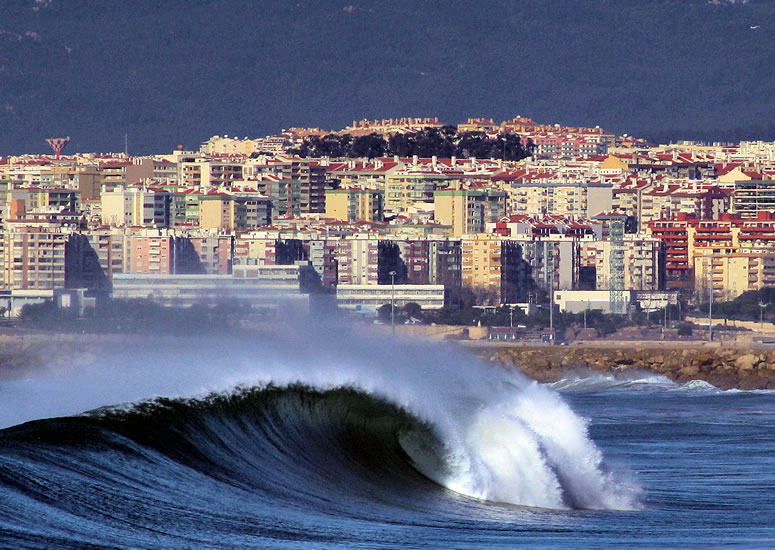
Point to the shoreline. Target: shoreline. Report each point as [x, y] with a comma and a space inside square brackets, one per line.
[742, 366]
[727, 367]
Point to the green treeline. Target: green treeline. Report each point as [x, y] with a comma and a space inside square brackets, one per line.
[444, 142]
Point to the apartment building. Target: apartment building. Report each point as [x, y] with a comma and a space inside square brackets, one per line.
[371, 174]
[738, 246]
[209, 172]
[408, 187]
[215, 252]
[321, 253]
[229, 212]
[641, 266]
[753, 196]
[468, 210]
[113, 171]
[33, 257]
[307, 177]
[445, 262]
[572, 199]
[108, 245]
[136, 206]
[355, 204]
[495, 269]
[150, 253]
[284, 194]
[358, 260]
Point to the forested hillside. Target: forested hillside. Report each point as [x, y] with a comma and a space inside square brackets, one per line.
[176, 72]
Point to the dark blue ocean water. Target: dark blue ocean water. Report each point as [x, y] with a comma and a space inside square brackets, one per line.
[300, 466]
[704, 460]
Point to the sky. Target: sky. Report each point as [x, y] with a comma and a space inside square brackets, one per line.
[177, 72]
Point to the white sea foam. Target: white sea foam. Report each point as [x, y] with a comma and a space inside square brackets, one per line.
[593, 381]
[505, 438]
[631, 381]
[699, 386]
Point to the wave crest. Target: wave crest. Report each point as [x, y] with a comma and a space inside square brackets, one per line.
[527, 449]
[385, 409]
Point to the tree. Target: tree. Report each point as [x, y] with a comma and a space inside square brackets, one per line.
[371, 146]
[384, 313]
[441, 142]
[413, 309]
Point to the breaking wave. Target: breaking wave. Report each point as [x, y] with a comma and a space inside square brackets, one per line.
[318, 427]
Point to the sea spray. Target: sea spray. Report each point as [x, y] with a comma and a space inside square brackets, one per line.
[502, 436]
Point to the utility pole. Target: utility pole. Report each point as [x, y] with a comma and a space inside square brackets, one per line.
[551, 306]
[511, 316]
[762, 305]
[393, 303]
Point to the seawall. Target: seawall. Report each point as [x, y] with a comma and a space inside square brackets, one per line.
[724, 367]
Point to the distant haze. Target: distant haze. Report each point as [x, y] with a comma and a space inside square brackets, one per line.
[175, 72]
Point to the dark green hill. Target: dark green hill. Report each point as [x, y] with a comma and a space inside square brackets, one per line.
[178, 72]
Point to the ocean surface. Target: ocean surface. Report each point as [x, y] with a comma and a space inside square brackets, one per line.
[330, 444]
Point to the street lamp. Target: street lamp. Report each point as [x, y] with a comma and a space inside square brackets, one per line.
[551, 307]
[393, 303]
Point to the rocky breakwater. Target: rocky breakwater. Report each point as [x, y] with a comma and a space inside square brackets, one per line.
[725, 368]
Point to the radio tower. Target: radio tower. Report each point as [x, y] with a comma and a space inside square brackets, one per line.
[58, 144]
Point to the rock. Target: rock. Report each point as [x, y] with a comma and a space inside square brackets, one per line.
[725, 367]
[752, 382]
[688, 371]
[722, 381]
[746, 362]
[705, 358]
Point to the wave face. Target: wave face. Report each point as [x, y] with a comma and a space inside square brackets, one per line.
[330, 434]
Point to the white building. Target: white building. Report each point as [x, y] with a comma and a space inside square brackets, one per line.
[368, 298]
[266, 286]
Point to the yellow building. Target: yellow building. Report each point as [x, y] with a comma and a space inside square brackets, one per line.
[238, 212]
[494, 269]
[354, 205]
[732, 273]
[138, 206]
[216, 212]
[613, 166]
[468, 210]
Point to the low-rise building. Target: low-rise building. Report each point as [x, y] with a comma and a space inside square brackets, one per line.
[368, 298]
[259, 286]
